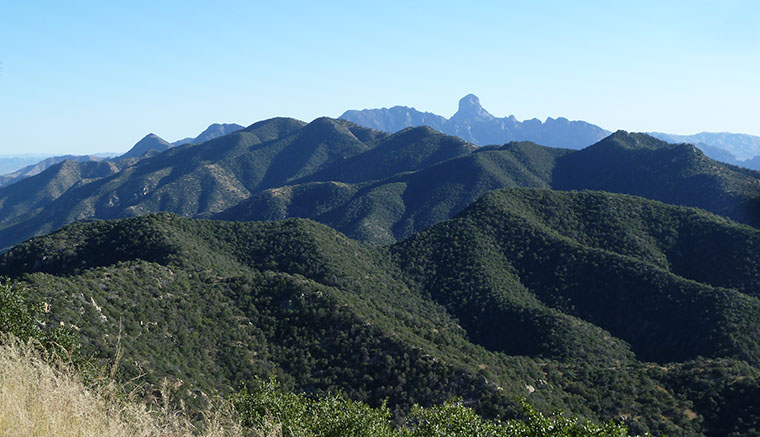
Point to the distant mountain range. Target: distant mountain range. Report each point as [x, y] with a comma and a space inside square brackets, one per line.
[12, 163]
[40, 166]
[476, 125]
[737, 149]
[150, 144]
[14, 167]
[371, 185]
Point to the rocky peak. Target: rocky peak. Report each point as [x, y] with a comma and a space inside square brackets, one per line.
[470, 108]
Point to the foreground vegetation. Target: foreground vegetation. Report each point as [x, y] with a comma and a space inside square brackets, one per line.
[47, 389]
[42, 396]
[269, 410]
[43, 393]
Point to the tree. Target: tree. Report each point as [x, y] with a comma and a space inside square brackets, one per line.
[26, 320]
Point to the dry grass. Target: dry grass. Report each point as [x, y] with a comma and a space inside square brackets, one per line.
[43, 396]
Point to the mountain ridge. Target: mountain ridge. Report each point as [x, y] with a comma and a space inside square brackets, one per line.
[743, 147]
[215, 130]
[473, 123]
[150, 144]
[40, 166]
[419, 177]
[392, 209]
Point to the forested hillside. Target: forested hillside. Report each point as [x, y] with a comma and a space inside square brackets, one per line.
[601, 305]
[372, 186]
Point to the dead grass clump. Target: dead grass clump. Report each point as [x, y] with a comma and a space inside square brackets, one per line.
[41, 395]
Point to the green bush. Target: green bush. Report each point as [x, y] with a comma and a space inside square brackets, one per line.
[267, 409]
[25, 320]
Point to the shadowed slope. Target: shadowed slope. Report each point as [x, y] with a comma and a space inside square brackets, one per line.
[390, 209]
[618, 262]
[673, 173]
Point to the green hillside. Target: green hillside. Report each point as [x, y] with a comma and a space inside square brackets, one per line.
[30, 196]
[673, 173]
[372, 186]
[396, 207]
[601, 305]
[390, 209]
[199, 180]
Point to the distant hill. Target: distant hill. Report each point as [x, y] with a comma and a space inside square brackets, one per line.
[13, 163]
[150, 142]
[40, 166]
[31, 196]
[597, 304]
[215, 130]
[714, 152]
[374, 186]
[476, 125]
[737, 149]
[753, 163]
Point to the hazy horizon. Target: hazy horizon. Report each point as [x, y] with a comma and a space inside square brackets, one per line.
[91, 77]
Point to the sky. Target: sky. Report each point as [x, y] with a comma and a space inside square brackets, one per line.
[92, 76]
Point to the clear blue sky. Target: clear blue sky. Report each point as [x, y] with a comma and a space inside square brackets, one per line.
[95, 76]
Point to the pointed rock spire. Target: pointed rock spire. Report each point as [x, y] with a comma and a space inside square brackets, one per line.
[469, 108]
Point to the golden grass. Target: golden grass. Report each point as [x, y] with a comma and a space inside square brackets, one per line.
[43, 396]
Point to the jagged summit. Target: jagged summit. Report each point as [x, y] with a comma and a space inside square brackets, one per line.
[470, 108]
[473, 123]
